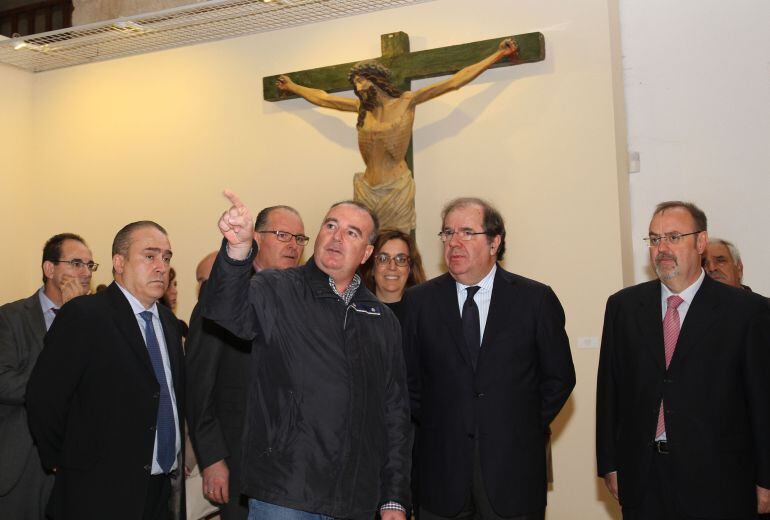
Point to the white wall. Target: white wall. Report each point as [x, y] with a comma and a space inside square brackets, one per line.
[697, 84]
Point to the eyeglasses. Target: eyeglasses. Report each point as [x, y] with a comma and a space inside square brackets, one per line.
[673, 238]
[463, 234]
[285, 236]
[401, 259]
[77, 263]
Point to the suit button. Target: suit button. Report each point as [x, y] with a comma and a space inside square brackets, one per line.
[480, 395]
[156, 395]
[152, 428]
[147, 467]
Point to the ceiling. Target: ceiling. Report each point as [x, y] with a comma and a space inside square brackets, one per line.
[200, 22]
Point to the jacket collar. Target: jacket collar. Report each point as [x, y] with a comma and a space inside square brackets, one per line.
[319, 283]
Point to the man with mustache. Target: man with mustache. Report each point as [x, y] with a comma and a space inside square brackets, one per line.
[327, 430]
[683, 409]
[218, 370]
[489, 368]
[722, 262]
[105, 398]
[67, 267]
[385, 121]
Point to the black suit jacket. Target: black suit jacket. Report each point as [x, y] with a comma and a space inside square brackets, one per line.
[523, 377]
[716, 390]
[22, 328]
[218, 368]
[93, 402]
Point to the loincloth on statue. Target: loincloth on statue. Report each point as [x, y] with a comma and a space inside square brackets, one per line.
[392, 201]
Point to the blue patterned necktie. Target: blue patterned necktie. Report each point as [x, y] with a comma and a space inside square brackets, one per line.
[166, 431]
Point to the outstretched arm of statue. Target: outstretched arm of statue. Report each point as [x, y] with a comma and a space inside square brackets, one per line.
[464, 76]
[317, 96]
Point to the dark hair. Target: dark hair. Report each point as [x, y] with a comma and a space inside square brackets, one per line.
[377, 74]
[360, 205]
[52, 248]
[264, 215]
[416, 272]
[695, 212]
[492, 220]
[122, 241]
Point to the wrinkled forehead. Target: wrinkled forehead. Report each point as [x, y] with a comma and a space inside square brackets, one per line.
[284, 220]
[672, 220]
[719, 249]
[71, 249]
[467, 215]
[351, 215]
[149, 238]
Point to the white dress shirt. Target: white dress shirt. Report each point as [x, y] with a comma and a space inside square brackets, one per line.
[482, 298]
[138, 308]
[687, 296]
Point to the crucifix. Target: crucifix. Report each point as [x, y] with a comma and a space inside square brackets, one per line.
[386, 105]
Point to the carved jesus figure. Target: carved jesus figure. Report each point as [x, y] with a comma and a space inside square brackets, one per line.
[385, 122]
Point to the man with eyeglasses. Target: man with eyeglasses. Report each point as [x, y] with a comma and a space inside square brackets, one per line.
[67, 267]
[489, 367]
[218, 371]
[327, 430]
[683, 393]
[106, 397]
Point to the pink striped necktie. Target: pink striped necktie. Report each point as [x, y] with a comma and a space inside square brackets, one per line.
[671, 328]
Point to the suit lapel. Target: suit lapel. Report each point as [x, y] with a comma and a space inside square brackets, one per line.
[650, 322]
[35, 321]
[450, 313]
[500, 306]
[126, 323]
[701, 315]
[171, 335]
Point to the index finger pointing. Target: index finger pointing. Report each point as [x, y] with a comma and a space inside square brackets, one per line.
[232, 197]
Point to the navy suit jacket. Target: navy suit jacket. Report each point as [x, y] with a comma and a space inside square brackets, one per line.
[523, 377]
[93, 403]
[716, 390]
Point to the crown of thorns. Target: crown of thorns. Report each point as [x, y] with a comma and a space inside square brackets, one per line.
[369, 69]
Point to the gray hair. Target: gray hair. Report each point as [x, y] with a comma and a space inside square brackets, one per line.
[730, 247]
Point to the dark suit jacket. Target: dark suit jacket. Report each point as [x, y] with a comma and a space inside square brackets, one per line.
[217, 384]
[22, 328]
[93, 402]
[716, 390]
[523, 377]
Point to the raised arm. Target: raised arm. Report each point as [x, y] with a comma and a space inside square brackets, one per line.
[464, 76]
[317, 96]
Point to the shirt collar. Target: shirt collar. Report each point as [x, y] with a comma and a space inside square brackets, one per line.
[688, 294]
[136, 306]
[45, 301]
[485, 284]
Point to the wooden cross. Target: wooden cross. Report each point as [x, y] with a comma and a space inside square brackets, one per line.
[407, 66]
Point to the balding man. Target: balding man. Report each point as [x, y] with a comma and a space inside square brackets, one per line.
[722, 262]
[203, 271]
[218, 369]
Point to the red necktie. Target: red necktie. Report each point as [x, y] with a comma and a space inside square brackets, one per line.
[670, 335]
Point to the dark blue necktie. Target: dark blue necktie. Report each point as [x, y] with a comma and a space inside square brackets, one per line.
[471, 326]
[166, 431]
